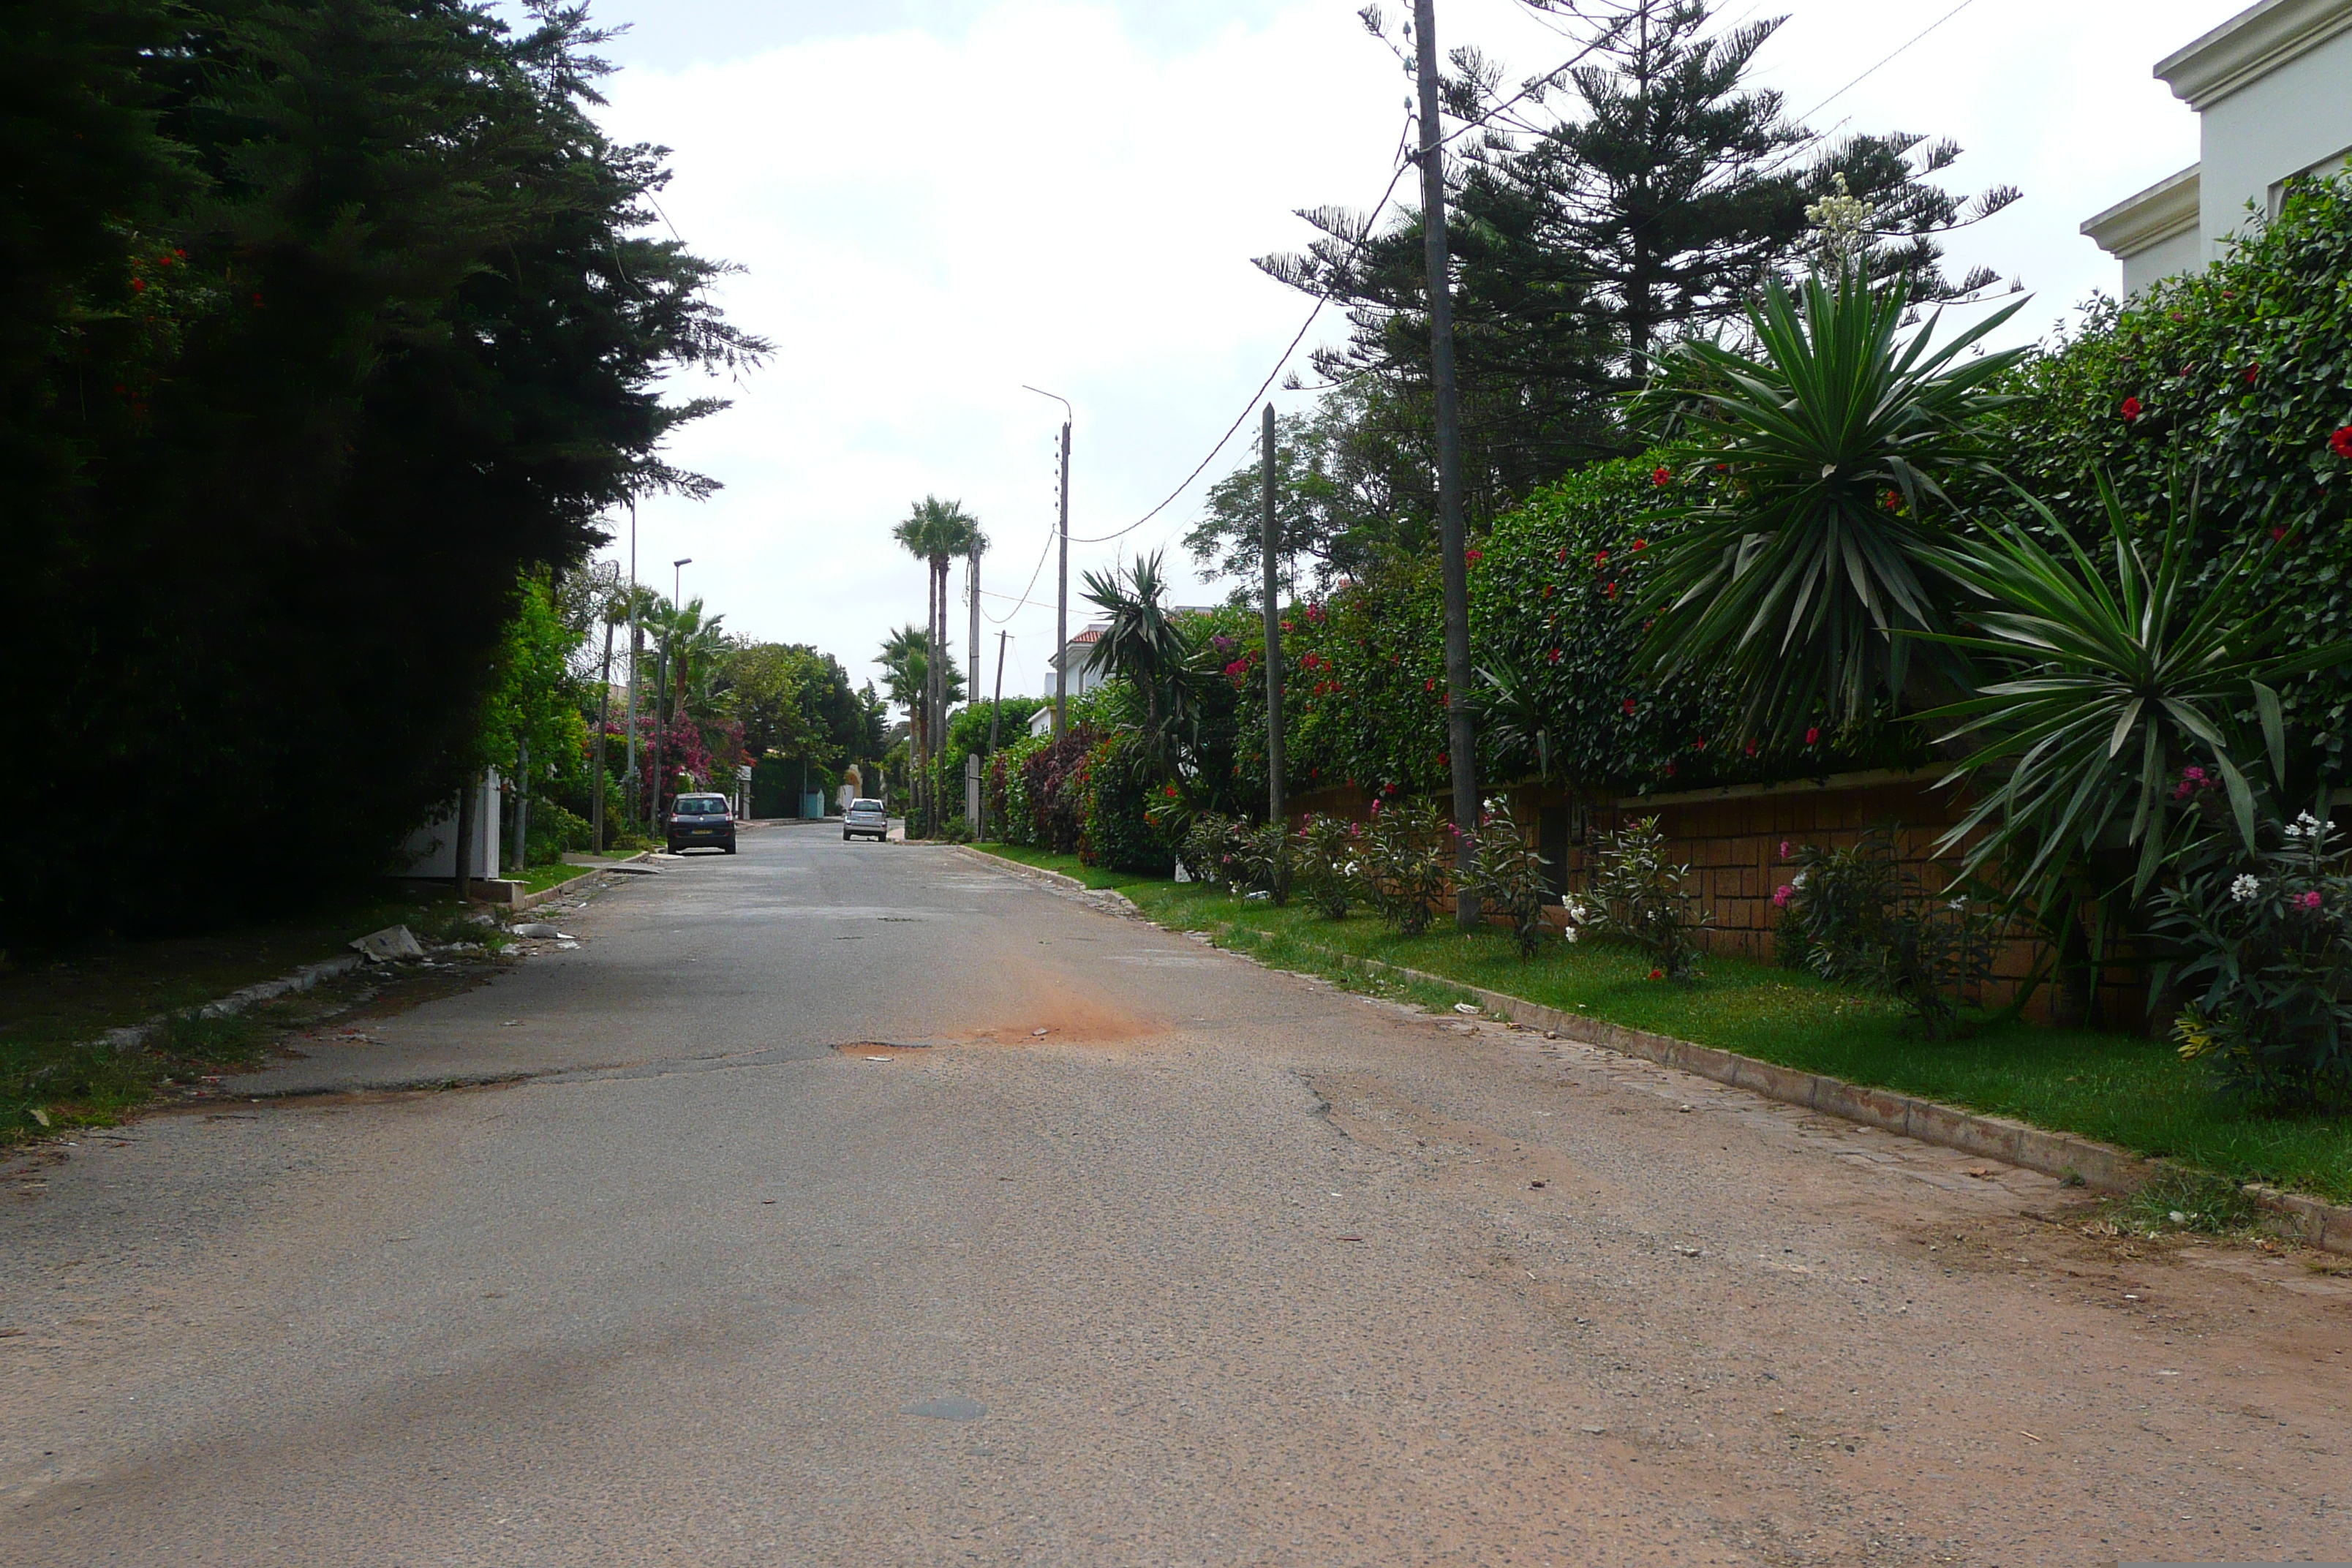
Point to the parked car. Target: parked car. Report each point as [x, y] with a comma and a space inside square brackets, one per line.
[702, 819]
[870, 818]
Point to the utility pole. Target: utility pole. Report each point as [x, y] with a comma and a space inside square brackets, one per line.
[603, 722]
[1062, 595]
[1454, 535]
[1273, 812]
[972, 561]
[996, 712]
[1062, 601]
[522, 809]
[637, 647]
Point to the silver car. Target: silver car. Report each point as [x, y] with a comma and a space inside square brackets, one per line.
[870, 818]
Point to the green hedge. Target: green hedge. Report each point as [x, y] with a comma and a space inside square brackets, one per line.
[2236, 381]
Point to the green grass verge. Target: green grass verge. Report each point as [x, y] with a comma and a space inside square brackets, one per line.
[539, 879]
[54, 1003]
[1070, 865]
[2119, 1089]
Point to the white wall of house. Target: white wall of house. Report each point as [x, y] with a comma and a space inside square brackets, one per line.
[431, 848]
[2271, 89]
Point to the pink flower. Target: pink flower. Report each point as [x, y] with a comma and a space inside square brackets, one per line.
[1813, 737]
[2310, 901]
[1784, 850]
[1783, 893]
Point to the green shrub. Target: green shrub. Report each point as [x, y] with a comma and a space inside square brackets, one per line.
[2270, 938]
[1856, 916]
[1268, 859]
[1331, 863]
[1212, 847]
[1126, 801]
[1408, 854]
[1508, 878]
[1642, 900]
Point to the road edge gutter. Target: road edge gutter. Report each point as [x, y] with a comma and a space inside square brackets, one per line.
[2102, 1167]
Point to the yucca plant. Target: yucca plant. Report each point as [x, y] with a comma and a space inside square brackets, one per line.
[2117, 682]
[1816, 549]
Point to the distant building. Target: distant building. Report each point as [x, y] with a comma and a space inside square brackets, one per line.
[2272, 91]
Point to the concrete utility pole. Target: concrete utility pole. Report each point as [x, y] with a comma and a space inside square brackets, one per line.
[637, 647]
[1268, 546]
[972, 667]
[1062, 595]
[1454, 535]
[996, 712]
[603, 722]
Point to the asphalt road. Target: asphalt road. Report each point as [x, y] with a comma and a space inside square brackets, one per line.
[1225, 1267]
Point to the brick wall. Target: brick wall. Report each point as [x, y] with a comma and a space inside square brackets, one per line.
[1731, 839]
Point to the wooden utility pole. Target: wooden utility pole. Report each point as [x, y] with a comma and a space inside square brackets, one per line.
[1267, 547]
[995, 713]
[1453, 533]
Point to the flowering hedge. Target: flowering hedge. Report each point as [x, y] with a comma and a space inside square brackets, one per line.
[1551, 589]
[2238, 381]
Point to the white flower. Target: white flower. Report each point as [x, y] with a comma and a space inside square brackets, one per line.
[2312, 826]
[1959, 904]
[1798, 881]
[1569, 933]
[2245, 887]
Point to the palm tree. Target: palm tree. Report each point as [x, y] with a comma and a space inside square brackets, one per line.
[937, 531]
[1142, 643]
[1803, 582]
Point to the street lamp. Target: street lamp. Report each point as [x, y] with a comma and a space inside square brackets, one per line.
[678, 578]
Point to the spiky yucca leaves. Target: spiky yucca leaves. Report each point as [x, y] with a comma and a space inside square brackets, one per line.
[1835, 438]
[2117, 679]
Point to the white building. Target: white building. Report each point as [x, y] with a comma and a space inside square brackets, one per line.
[2272, 91]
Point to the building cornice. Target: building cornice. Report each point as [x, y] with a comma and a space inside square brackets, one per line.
[2250, 45]
[2166, 208]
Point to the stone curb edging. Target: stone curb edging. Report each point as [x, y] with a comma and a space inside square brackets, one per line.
[130, 1036]
[2099, 1166]
[532, 900]
[1044, 873]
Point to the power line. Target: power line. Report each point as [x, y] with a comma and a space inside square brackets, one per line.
[1865, 76]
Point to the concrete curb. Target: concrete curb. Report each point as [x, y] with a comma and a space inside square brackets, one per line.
[532, 900]
[2102, 1167]
[1041, 874]
[130, 1036]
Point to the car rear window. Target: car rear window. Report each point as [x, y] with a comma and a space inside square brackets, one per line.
[701, 805]
[865, 805]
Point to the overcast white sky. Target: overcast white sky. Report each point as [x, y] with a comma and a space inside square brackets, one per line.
[936, 201]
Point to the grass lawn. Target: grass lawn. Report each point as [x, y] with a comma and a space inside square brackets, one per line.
[539, 879]
[1070, 865]
[52, 1002]
[2119, 1089]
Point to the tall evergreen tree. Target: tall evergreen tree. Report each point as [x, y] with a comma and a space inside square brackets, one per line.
[401, 340]
[1640, 197]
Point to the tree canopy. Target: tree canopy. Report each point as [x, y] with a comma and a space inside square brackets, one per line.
[323, 321]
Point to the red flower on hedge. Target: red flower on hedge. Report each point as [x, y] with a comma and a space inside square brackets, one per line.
[1641, 544]
[2340, 443]
[1813, 737]
[1472, 557]
[1169, 791]
[1563, 555]
[2251, 372]
[1428, 685]
[1629, 705]
[1609, 590]
[1547, 592]
[2278, 533]
[1657, 974]
[1553, 656]
[1669, 770]
[1600, 558]
[1663, 478]
[2131, 409]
